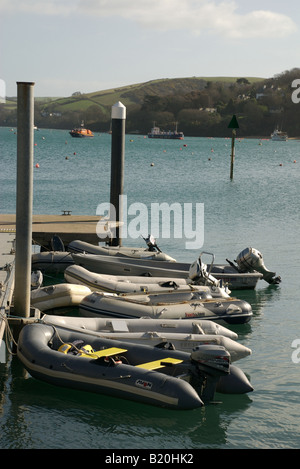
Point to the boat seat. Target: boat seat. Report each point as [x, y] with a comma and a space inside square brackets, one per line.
[159, 363]
[108, 352]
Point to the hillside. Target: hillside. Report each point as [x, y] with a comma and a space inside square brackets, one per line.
[200, 106]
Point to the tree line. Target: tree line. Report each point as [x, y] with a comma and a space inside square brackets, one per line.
[260, 107]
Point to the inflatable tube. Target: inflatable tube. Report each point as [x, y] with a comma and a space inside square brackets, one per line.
[62, 295]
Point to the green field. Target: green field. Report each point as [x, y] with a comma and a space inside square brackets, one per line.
[130, 95]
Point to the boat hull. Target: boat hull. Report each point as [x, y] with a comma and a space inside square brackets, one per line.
[81, 133]
[166, 137]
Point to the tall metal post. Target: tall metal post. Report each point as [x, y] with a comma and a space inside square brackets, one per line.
[233, 125]
[118, 115]
[25, 124]
[232, 153]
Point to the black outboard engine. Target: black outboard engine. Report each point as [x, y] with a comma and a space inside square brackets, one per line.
[210, 362]
[250, 260]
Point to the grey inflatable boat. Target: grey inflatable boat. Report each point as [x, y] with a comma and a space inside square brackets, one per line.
[151, 375]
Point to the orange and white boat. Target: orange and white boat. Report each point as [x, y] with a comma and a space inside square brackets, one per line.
[81, 132]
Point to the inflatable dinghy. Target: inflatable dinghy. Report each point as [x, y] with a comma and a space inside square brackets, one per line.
[188, 326]
[137, 284]
[151, 375]
[228, 274]
[165, 306]
[172, 340]
[152, 253]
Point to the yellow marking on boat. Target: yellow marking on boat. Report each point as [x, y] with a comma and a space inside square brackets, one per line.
[159, 363]
[108, 352]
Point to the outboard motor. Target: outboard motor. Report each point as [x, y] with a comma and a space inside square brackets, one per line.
[36, 279]
[57, 243]
[250, 260]
[199, 274]
[210, 362]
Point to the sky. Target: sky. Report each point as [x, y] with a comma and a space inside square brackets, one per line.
[64, 46]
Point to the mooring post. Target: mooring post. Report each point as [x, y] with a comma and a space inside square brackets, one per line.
[233, 125]
[25, 123]
[232, 152]
[118, 116]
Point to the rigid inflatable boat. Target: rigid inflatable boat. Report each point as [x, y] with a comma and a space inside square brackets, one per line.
[57, 259]
[151, 375]
[113, 265]
[62, 295]
[152, 252]
[172, 340]
[134, 284]
[188, 326]
[165, 306]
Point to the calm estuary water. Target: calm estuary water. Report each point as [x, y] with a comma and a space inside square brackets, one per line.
[258, 208]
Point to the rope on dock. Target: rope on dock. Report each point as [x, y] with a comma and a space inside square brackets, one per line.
[8, 333]
[8, 336]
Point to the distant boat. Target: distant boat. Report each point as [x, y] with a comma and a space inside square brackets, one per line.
[81, 132]
[166, 134]
[279, 136]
